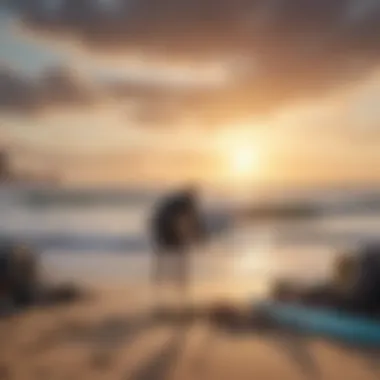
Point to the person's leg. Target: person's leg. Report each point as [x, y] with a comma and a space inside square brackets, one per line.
[167, 278]
[182, 277]
[157, 276]
[170, 263]
[156, 272]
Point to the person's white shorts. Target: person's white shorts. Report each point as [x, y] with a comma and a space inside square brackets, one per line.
[171, 267]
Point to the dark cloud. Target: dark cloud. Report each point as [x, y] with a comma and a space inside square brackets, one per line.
[55, 88]
[16, 93]
[58, 88]
[301, 47]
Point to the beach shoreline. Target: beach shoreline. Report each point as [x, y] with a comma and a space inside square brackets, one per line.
[95, 339]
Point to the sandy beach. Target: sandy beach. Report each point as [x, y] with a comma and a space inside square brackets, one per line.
[101, 338]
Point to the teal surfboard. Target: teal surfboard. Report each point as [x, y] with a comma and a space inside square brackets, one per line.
[339, 326]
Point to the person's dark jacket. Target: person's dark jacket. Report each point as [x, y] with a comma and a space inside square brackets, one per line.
[165, 222]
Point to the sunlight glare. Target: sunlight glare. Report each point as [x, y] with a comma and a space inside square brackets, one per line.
[240, 150]
[244, 161]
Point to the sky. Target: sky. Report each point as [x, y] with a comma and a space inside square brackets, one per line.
[245, 92]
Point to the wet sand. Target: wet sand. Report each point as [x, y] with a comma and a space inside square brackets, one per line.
[101, 338]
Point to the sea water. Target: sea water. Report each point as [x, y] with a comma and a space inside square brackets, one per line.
[107, 239]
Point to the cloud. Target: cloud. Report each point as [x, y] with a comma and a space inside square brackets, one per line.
[61, 87]
[153, 105]
[55, 88]
[16, 93]
[146, 104]
[302, 48]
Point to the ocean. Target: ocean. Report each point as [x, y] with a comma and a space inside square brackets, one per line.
[101, 236]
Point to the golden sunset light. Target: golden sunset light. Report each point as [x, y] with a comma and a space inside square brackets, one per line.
[173, 163]
[112, 91]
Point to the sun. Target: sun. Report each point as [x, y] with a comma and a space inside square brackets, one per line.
[244, 161]
[241, 156]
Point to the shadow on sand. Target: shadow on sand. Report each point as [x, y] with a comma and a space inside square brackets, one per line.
[109, 334]
[160, 366]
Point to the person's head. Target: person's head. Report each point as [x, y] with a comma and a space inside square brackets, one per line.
[190, 192]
